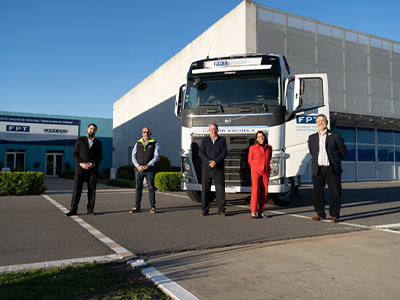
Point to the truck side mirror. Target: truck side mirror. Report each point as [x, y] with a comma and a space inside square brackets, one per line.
[179, 101]
[302, 86]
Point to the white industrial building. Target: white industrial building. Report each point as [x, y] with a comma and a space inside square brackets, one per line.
[364, 85]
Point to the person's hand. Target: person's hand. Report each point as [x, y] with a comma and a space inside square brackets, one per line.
[84, 166]
[212, 164]
[142, 168]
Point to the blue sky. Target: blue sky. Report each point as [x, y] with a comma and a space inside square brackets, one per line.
[77, 57]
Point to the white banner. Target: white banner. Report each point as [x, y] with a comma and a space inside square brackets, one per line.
[32, 130]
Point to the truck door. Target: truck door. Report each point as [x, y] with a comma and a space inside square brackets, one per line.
[306, 97]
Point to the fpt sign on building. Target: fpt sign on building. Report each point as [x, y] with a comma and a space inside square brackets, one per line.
[39, 131]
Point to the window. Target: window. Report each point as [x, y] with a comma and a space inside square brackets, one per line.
[366, 153]
[365, 135]
[347, 133]
[15, 160]
[385, 137]
[312, 96]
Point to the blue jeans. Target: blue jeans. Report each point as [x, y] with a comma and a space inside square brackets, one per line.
[139, 176]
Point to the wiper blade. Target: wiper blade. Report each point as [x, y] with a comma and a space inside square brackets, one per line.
[213, 104]
[252, 103]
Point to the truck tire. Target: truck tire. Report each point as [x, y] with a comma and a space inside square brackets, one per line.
[284, 199]
[195, 196]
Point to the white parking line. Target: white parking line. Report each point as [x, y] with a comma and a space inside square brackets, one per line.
[58, 263]
[379, 227]
[171, 288]
[388, 226]
[118, 249]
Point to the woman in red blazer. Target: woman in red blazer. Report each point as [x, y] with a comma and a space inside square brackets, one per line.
[259, 160]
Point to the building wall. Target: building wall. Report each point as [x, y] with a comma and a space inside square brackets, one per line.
[363, 70]
[151, 102]
[36, 154]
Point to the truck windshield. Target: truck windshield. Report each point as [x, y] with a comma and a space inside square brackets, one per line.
[233, 91]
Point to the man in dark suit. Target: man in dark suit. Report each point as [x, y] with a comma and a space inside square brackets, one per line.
[87, 154]
[212, 152]
[327, 150]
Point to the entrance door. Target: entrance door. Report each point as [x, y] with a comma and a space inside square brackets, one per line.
[53, 164]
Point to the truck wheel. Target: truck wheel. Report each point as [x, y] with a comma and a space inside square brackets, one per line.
[284, 199]
[195, 196]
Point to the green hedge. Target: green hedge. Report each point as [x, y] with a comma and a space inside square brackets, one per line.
[21, 183]
[121, 183]
[67, 174]
[168, 181]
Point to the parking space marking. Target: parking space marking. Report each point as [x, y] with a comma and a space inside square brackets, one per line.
[171, 288]
[58, 263]
[379, 227]
[388, 226]
[118, 249]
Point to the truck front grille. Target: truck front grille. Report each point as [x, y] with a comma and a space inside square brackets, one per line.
[237, 169]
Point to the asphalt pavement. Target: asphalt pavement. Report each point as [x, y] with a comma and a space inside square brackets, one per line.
[282, 256]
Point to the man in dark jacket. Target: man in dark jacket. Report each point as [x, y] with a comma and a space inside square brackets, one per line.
[213, 151]
[87, 154]
[327, 150]
[145, 154]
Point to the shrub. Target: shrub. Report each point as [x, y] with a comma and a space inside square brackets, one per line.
[126, 172]
[121, 183]
[164, 165]
[67, 174]
[67, 166]
[106, 172]
[21, 183]
[101, 175]
[176, 169]
[168, 181]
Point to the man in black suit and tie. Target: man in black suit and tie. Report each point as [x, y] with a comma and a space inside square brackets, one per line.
[212, 152]
[327, 150]
[87, 154]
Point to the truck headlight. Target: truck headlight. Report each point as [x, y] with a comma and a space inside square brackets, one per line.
[275, 163]
[186, 168]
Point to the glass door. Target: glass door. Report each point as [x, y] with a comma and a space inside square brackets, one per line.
[53, 164]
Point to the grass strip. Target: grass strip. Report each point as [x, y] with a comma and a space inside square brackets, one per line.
[111, 281]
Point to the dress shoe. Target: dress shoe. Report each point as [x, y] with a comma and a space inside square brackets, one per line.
[204, 213]
[90, 213]
[334, 220]
[222, 213]
[71, 213]
[317, 218]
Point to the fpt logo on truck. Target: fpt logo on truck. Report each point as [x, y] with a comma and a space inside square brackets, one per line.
[306, 119]
[306, 124]
[18, 128]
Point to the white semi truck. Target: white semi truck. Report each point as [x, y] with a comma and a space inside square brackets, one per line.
[244, 94]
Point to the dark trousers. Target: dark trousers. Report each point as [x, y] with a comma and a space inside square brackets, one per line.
[139, 176]
[325, 175]
[81, 176]
[219, 182]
